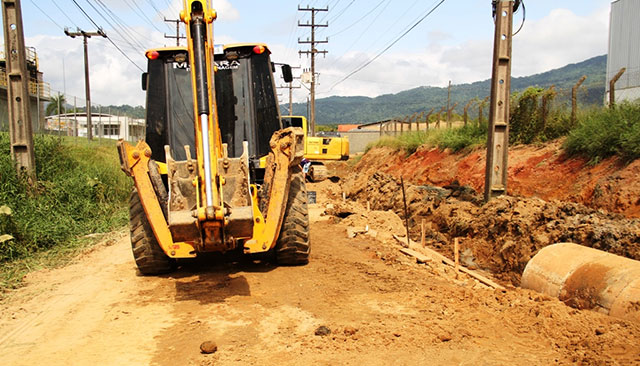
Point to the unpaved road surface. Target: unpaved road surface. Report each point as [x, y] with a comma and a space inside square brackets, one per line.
[382, 308]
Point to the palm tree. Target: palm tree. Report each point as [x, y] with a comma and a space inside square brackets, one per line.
[52, 107]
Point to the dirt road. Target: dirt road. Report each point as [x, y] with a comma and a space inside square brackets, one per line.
[381, 307]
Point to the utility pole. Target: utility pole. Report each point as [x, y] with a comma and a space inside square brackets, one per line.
[20, 127]
[85, 36]
[291, 87]
[313, 51]
[177, 37]
[498, 140]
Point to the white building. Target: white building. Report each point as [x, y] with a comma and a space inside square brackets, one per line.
[104, 126]
[624, 49]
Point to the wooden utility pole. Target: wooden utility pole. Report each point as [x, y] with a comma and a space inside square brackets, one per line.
[312, 52]
[290, 87]
[177, 37]
[574, 99]
[498, 141]
[87, 89]
[20, 127]
[612, 87]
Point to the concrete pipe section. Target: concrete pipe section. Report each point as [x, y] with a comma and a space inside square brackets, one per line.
[586, 278]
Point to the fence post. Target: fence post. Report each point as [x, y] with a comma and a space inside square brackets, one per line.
[426, 120]
[574, 100]
[449, 122]
[439, 116]
[466, 112]
[545, 105]
[612, 87]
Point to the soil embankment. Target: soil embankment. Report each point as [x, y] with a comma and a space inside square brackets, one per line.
[553, 201]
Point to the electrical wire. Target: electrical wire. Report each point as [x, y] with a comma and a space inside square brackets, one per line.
[524, 16]
[357, 21]
[139, 47]
[47, 15]
[131, 38]
[109, 39]
[64, 13]
[141, 14]
[389, 46]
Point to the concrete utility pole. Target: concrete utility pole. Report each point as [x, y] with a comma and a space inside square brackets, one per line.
[313, 51]
[177, 37]
[85, 36]
[498, 141]
[18, 106]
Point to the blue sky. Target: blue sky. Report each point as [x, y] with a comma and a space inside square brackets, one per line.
[454, 43]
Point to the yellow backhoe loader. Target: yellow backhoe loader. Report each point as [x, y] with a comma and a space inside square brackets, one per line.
[318, 149]
[217, 172]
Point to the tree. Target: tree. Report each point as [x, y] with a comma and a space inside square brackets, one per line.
[52, 107]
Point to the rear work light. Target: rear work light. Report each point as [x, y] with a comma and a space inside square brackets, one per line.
[258, 49]
[152, 55]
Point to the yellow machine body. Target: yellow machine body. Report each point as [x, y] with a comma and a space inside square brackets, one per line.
[223, 211]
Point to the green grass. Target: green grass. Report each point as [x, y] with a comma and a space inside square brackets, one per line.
[79, 190]
[455, 139]
[602, 133]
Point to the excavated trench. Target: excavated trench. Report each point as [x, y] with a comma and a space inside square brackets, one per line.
[500, 236]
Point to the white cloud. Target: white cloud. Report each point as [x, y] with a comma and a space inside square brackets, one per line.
[560, 38]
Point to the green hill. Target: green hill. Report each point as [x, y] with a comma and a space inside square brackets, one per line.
[336, 110]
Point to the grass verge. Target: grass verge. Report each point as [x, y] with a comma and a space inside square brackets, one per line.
[79, 190]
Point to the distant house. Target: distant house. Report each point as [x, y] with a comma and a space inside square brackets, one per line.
[345, 128]
[624, 49]
[104, 126]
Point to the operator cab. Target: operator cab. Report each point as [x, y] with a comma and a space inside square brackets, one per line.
[247, 104]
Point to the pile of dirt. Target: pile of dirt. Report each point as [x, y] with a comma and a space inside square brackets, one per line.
[500, 236]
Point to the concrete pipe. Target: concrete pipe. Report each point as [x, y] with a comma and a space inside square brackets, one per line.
[586, 278]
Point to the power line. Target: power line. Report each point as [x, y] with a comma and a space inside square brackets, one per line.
[389, 46]
[109, 39]
[64, 13]
[47, 15]
[357, 21]
[122, 24]
[117, 31]
[141, 14]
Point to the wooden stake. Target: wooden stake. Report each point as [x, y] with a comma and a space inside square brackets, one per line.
[406, 212]
[368, 206]
[344, 197]
[456, 255]
[423, 233]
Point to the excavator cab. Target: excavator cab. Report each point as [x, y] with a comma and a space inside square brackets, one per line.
[217, 171]
[245, 95]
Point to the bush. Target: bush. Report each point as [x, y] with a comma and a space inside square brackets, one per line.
[79, 190]
[468, 136]
[607, 132]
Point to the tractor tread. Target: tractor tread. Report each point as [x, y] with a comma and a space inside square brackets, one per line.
[148, 255]
[293, 247]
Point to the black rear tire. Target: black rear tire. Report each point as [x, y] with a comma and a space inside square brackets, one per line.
[293, 246]
[149, 257]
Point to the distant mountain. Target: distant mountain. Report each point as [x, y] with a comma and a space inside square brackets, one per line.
[339, 110]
